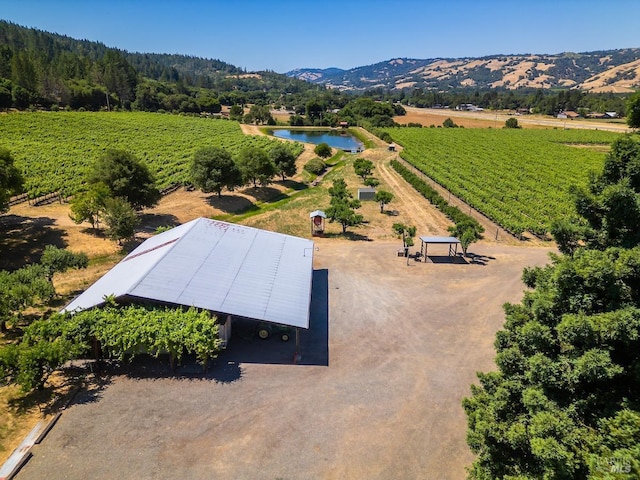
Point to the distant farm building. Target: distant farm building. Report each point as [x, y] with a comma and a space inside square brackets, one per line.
[570, 115]
[228, 269]
[366, 193]
[469, 107]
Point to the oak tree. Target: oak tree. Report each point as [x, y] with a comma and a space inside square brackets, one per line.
[213, 169]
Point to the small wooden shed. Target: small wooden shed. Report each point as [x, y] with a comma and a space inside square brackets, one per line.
[366, 193]
[317, 222]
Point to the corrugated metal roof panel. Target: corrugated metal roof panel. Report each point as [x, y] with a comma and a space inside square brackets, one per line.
[133, 268]
[226, 268]
[439, 239]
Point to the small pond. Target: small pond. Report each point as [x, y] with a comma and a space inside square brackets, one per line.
[335, 138]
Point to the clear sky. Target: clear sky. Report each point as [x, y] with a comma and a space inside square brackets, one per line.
[281, 35]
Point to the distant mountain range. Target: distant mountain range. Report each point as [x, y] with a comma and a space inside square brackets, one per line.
[615, 71]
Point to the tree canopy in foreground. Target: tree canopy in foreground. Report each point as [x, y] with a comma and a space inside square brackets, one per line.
[564, 402]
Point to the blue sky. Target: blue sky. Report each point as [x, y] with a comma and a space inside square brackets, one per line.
[284, 34]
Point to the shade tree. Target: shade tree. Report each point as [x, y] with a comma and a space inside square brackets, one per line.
[383, 198]
[563, 402]
[363, 168]
[89, 205]
[467, 232]
[567, 361]
[342, 207]
[511, 122]
[406, 233]
[127, 177]
[120, 219]
[213, 168]
[256, 166]
[283, 159]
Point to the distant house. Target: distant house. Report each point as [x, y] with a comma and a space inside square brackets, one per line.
[469, 107]
[569, 114]
[597, 115]
[611, 114]
[523, 111]
[343, 124]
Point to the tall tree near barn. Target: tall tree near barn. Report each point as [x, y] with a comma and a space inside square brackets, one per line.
[126, 177]
[213, 169]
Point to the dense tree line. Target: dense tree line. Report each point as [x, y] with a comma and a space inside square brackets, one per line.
[214, 168]
[47, 70]
[563, 402]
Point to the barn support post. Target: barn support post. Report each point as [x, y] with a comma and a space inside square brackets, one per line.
[296, 356]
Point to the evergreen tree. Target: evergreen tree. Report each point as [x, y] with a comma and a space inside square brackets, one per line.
[10, 179]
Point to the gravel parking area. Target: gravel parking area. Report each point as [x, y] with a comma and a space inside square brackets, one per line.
[391, 352]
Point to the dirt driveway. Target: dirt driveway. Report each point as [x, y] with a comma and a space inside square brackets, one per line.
[391, 352]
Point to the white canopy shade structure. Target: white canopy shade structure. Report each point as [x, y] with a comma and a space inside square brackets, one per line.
[222, 267]
[453, 243]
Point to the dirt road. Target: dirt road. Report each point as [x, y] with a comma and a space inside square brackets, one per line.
[391, 352]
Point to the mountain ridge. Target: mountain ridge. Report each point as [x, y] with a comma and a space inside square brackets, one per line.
[616, 71]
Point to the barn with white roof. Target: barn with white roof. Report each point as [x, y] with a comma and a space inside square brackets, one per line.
[231, 270]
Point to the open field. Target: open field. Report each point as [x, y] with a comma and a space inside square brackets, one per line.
[486, 119]
[56, 149]
[518, 178]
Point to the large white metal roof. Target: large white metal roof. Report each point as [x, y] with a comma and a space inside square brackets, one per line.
[222, 267]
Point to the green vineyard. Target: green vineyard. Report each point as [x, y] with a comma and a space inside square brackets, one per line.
[54, 150]
[518, 178]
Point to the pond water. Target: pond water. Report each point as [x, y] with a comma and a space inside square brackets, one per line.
[334, 138]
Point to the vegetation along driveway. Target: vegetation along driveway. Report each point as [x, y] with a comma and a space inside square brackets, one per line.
[377, 394]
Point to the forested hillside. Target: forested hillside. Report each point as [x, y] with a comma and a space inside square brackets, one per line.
[43, 69]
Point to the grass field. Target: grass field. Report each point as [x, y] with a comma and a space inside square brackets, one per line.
[55, 149]
[518, 178]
